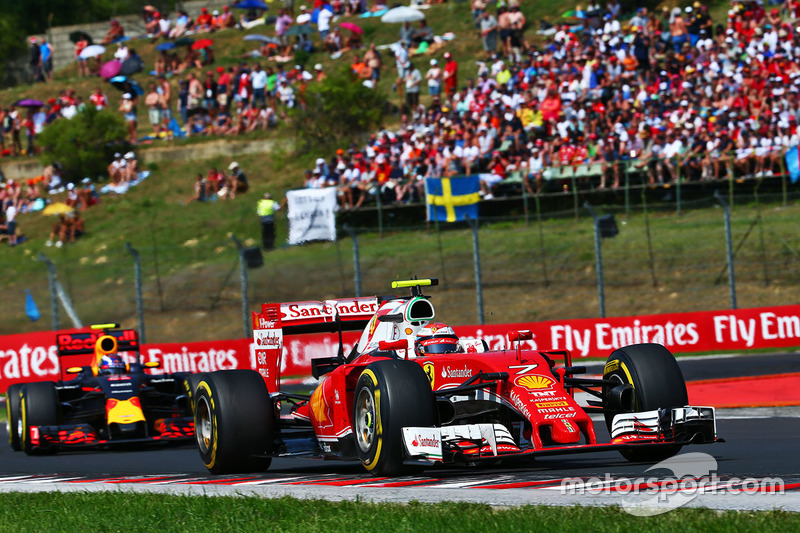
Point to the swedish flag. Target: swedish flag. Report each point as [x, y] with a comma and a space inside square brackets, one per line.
[452, 199]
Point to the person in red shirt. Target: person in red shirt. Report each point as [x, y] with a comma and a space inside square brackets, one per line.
[203, 22]
[450, 75]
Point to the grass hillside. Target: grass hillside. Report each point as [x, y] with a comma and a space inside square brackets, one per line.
[531, 272]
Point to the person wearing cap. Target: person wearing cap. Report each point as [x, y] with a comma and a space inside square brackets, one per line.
[128, 109]
[203, 23]
[266, 208]
[434, 78]
[130, 171]
[238, 180]
[115, 169]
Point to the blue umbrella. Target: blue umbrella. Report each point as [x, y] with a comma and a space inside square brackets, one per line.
[163, 47]
[250, 4]
[125, 84]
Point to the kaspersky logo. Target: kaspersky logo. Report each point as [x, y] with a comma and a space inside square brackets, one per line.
[535, 382]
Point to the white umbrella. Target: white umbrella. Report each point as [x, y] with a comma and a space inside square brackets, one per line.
[92, 51]
[402, 14]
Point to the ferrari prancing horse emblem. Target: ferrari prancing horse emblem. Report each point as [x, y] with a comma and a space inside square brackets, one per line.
[429, 371]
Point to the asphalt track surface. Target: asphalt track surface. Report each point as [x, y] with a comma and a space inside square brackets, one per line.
[760, 443]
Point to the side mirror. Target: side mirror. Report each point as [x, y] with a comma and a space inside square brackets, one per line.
[74, 370]
[386, 346]
[521, 335]
[152, 364]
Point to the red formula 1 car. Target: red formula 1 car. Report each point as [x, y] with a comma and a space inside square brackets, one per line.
[396, 411]
[110, 401]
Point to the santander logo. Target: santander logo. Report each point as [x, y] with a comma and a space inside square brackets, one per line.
[426, 442]
[448, 372]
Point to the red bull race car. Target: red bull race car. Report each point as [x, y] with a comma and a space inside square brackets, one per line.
[110, 401]
[411, 394]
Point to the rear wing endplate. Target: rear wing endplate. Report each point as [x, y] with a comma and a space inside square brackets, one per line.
[295, 318]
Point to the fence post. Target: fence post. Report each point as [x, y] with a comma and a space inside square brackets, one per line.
[541, 240]
[51, 276]
[627, 189]
[599, 257]
[649, 239]
[244, 281]
[137, 269]
[476, 255]
[728, 248]
[356, 259]
[678, 183]
[380, 211]
[57, 292]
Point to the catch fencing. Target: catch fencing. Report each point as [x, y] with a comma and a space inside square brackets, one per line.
[536, 263]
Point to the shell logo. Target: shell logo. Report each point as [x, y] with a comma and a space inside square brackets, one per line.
[535, 382]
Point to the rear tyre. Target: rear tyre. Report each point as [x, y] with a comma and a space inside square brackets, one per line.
[38, 407]
[234, 422]
[657, 382]
[14, 417]
[389, 395]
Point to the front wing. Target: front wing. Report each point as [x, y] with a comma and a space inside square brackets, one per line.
[476, 442]
[85, 436]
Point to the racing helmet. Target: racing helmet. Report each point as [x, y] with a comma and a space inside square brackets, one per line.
[434, 339]
[112, 364]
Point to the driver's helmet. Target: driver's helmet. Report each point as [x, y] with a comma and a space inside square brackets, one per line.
[112, 364]
[434, 339]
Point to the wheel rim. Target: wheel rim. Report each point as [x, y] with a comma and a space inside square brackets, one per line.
[365, 419]
[203, 427]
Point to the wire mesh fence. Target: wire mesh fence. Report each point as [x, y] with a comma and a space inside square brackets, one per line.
[543, 269]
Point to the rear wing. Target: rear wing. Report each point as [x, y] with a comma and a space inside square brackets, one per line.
[295, 318]
[83, 343]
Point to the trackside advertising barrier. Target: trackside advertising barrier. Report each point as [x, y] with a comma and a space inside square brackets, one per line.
[32, 356]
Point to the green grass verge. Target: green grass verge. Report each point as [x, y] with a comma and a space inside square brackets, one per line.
[156, 512]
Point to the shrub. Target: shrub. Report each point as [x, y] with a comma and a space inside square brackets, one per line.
[85, 144]
[336, 112]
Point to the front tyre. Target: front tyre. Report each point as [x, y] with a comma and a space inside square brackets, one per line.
[234, 422]
[389, 395]
[657, 382]
[38, 407]
[14, 417]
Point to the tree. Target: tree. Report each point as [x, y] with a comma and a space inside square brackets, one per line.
[84, 144]
[337, 111]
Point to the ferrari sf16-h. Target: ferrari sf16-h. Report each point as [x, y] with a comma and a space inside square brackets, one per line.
[108, 402]
[397, 406]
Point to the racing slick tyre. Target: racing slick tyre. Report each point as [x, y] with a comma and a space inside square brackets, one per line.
[657, 383]
[14, 417]
[389, 395]
[38, 407]
[234, 422]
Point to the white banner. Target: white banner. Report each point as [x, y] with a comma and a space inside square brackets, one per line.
[311, 215]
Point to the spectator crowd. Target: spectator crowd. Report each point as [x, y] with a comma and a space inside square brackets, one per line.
[670, 94]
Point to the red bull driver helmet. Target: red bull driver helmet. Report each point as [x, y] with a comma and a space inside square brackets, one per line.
[112, 364]
[435, 339]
